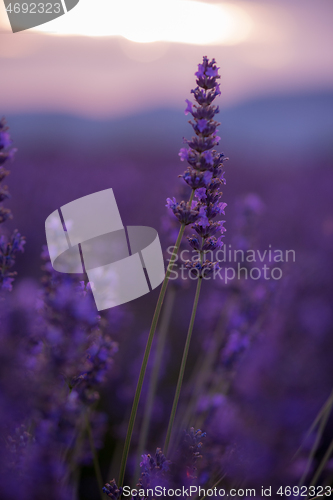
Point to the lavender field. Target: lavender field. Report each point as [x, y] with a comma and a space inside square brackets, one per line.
[237, 394]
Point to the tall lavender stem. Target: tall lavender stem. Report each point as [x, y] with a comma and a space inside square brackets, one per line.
[170, 299]
[182, 366]
[147, 353]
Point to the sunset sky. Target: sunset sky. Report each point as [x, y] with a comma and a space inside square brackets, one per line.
[111, 61]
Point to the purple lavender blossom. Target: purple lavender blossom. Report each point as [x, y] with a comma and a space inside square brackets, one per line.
[212, 243]
[31, 409]
[56, 369]
[9, 247]
[189, 107]
[112, 491]
[6, 151]
[81, 351]
[205, 164]
[197, 179]
[205, 174]
[201, 194]
[211, 230]
[154, 465]
[170, 230]
[186, 457]
[155, 471]
[204, 270]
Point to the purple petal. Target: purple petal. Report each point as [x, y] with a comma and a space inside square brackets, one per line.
[222, 207]
[201, 193]
[208, 157]
[208, 177]
[212, 72]
[202, 124]
[183, 153]
[200, 73]
[171, 203]
[189, 107]
[5, 140]
[203, 221]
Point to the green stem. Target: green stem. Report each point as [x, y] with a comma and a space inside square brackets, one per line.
[95, 458]
[322, 464]
[147, 352]
[165, 322]
[321, 429]
[76, 480]
[182, 367]
[328, 404]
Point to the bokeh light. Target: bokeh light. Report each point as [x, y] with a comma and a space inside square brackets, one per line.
[183, 21]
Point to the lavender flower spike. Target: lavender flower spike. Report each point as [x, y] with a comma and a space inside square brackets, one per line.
[9, 247]
[6, 151]
[204, 162]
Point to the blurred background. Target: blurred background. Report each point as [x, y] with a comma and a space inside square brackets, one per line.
[96, 99]
[92, 110]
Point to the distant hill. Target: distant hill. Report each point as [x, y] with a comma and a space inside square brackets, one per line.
[297, 124]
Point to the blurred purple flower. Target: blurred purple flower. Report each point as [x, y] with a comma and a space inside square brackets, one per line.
[112, 491]
[183, 153]
[187, 455]
[201, 193]
[6, 152]
[204, 163]
[189, 107]
[9, 247]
